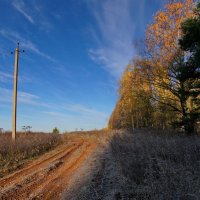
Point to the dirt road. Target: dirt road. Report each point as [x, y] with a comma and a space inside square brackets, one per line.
[49, 176]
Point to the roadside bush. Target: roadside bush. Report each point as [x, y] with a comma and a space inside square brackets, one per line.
[56, 131]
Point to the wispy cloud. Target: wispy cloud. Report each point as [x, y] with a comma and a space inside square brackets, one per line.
[8, 78]
[76, 115]
[77, 111]
[34, 12]
[5, 77]
[28, 98]
[6, 95]
[84, 110]
[53, 114]
[115, 41]
[30, 45]
[19, 5]
[23, 97]
[25, 43]
[59, 110]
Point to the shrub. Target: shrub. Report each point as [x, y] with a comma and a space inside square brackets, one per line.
[56, 131]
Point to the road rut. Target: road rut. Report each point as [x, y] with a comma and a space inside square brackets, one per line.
[48, 176]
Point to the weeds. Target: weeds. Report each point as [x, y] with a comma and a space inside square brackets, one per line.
[157, 166]
[27, 146]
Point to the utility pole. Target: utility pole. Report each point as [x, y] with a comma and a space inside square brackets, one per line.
[14, 114]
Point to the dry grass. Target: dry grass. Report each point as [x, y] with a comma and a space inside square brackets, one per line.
[98, 135]
[157, 166]
[27, 146]
[148, 164]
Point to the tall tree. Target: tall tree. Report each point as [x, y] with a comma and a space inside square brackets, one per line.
[153, 90]
[190, 71]
[165, 58]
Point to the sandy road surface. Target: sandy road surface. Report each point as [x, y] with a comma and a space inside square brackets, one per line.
[48, 176]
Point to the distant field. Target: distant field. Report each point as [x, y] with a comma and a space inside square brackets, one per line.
[27, 146]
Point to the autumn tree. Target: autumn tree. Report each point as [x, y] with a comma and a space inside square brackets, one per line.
[122, 115]
[133, 108]
[115, 121]
[165, 57]
[152, 89]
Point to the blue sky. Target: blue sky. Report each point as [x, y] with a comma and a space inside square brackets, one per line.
[75, 52]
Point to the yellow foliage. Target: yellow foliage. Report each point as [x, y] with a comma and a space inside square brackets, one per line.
[145, 84]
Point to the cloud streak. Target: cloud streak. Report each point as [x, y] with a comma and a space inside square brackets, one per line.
[5, 77]
[20, 7]
[83, 110]
[115, 41]
[34, 12]
[23, 97]
[63, 110]
[15, 37]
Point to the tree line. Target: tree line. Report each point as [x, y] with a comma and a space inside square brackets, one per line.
[161, 87]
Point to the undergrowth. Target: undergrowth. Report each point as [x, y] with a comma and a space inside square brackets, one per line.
[157, 166]
[27, 146]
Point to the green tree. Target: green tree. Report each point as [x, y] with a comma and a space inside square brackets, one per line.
[56, 131]
[190, 70]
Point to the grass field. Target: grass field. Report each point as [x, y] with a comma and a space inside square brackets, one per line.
[146, 164]
[154, 165]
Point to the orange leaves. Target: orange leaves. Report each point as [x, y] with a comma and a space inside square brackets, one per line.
[162, 36]
[146, 87]
[162, 40]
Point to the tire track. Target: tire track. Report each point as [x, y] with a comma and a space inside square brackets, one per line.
[59, 183]
[47, 178]
[10, 178]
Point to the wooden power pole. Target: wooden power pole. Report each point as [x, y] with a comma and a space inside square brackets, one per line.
[14, 114]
